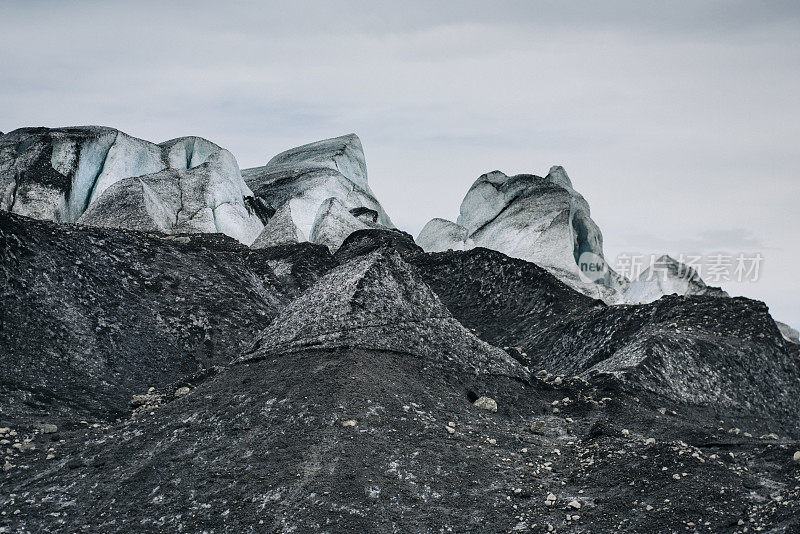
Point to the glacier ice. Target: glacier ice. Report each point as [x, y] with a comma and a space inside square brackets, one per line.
[334, 222]
[788, 333]
[440, 235]
[303, 179]
[280, 229]
[88, 174]
[667, 276]
[539, 219]
[208, 198]
[342, 154]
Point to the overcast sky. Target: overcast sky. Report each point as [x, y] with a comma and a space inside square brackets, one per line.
[678, 121]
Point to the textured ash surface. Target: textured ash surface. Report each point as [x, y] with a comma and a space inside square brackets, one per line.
[354, 410]
[720, 352]
[90, 316]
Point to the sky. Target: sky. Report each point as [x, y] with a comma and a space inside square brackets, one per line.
[678, 121]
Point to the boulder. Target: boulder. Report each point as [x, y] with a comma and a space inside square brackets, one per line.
[486, 403]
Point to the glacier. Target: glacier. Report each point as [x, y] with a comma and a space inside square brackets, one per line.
[538, 219]
[101, 176]
[303, 180]
[668, 276]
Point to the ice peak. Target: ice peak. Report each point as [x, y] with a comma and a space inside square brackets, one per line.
[559, 176]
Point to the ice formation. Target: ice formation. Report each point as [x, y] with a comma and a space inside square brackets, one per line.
[541, 220]
[101, 176]
[308, 176]
[334, 222]
[668, 276]
[207, 198]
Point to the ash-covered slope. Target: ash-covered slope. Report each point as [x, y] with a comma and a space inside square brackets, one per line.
[303, 182]
[354, 413]
[187, 184]
[541, 220]
[89, 316]
[300, 387]
[376, 302]
[505, 301]
[354, 440]
[725, 354]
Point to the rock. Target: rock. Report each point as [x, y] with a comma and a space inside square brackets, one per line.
[450, 429]
[365, 214]
[650, 441]
[140, 400]
[574, 504]
[181, 391]
[24, 446]
[486, 403]
[796, 457]
[538, 427]
[349, 422]
[550, 500]
[668, 276]
[8, 466]
[49, 428]
[307, 176]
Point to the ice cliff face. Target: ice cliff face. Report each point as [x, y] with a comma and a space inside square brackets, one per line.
[207, 198]
[668, 276]
[103, 177]
[541, 220]
[316, 188]
[788, 333]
